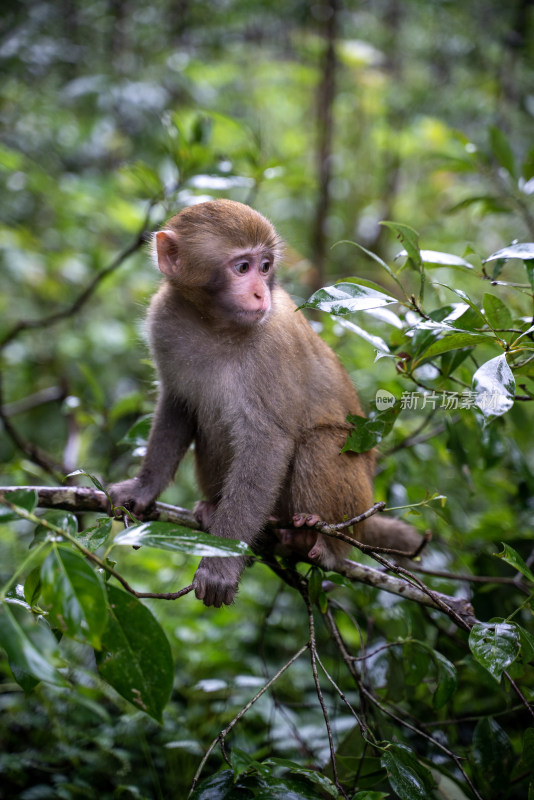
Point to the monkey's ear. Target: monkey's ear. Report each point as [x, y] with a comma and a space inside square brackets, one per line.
[167, 254]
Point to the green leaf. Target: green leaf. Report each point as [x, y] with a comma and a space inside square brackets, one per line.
[142, 179]
[529, 266]
[32, 586]
[408, 778]
[25, 498]
[280, 789]
[437, 259]
[447, 679]
[496, 312]
[410, 240]
[137, 435]
[492, 204]
[242, 762]
[346, 298]
[376, 341]
[416, 662]
[523, 250]
[217, 787]
[94, 480]
[136, 656]
[465, 297]
[29, 643]
[168, 536]
[452, 341]
[324, 783]
[495, 645]
[527, 644]
[97, 535]
[494, 386]
[513, 558]
[65, 520]
[75, 595]
[500, 147]
[493, 756]
[368, 432]
[315, 584]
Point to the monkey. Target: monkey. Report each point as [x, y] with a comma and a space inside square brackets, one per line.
[243, 376]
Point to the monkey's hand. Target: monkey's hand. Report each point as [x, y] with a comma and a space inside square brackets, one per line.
[216, 580]
[133, 495]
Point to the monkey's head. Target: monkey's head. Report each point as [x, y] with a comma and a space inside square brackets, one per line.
[221, 257]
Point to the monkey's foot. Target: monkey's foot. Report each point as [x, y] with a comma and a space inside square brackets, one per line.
[216, 580]
[309, 520]
[305, 543]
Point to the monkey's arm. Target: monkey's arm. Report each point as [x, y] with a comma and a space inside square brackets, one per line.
[249, 495]
[170, 436]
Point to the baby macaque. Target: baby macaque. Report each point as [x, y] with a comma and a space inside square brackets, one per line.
[263, 398]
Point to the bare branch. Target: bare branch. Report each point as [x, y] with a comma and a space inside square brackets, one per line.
[83, 498]
[400, 586]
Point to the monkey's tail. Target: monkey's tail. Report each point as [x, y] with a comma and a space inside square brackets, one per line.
[394, 534]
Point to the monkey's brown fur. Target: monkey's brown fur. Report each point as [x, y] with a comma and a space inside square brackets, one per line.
[263, 398]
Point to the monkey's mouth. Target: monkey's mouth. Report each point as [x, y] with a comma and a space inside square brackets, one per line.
[254, 316]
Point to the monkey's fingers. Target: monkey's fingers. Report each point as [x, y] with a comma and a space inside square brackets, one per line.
[305, 519]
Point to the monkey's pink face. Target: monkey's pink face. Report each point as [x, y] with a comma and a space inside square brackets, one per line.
[248, 281]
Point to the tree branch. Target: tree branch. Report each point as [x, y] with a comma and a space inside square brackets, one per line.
[404, 584]
[84, 296]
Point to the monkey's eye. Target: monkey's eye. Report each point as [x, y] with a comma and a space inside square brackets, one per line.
[265, 267]
[242, 268]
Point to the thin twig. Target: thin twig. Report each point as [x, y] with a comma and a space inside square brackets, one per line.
[519, 693]
[223, 734]
[313, 659]
[21, 512]
[469, 578]
[365, 731]
[348, 659]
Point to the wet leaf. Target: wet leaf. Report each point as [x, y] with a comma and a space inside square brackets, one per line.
[346, 298]
[523, 250]
[513, 558]
[495, 645]
[437, 259]
[136, 656]
[168, 536]
[494, 386]
[408, 778]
